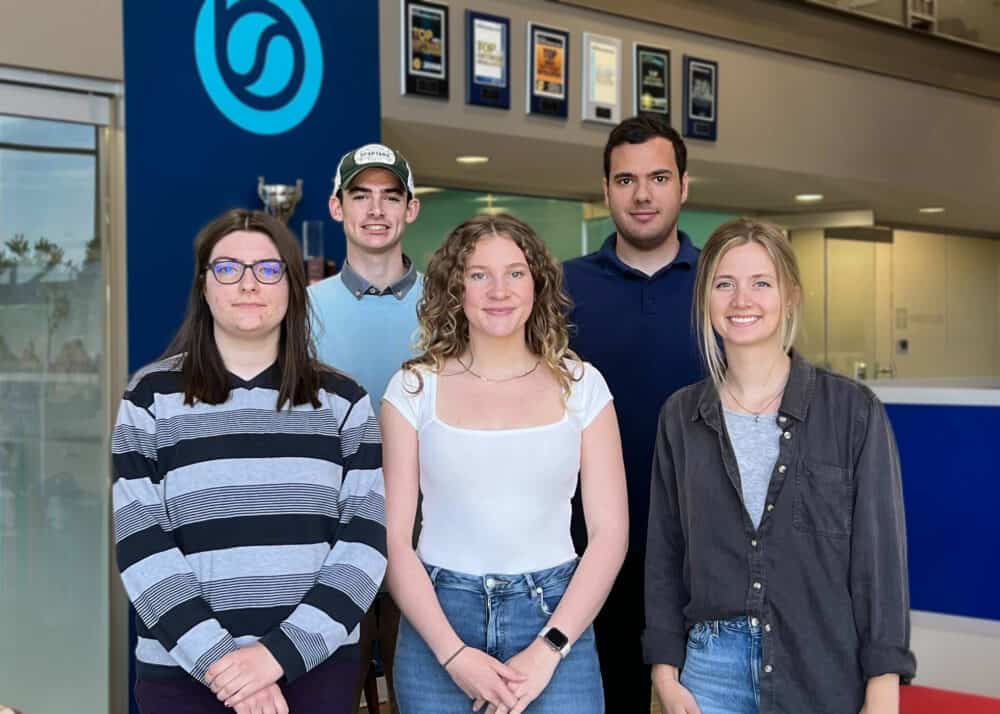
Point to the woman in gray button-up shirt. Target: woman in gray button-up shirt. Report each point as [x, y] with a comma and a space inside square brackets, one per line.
[776, 565]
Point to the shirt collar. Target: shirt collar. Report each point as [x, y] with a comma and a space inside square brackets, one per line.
[360, 287]
[687, 255]
[794, 402]
[269, 378]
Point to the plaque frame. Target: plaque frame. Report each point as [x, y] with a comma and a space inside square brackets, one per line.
[495, 93]
[541, 99]
[598, 106]
[639, 52]
[418, 77]
[701, 98]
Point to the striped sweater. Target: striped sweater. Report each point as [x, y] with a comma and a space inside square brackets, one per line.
[236, 523]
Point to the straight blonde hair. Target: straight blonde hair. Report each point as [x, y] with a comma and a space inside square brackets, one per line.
[726, 237]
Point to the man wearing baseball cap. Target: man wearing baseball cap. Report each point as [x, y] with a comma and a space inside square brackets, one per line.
[365, 317]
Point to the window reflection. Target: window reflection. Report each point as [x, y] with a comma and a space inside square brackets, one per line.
[53, 463]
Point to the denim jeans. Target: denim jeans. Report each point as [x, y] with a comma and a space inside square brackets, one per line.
[722, 668]
[501, 615]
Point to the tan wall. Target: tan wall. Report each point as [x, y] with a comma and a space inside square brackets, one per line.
[81, 37]
[828, 35]
[777, 111]
[971, 305]
[940, 293]
[810, 249]
[851, 323]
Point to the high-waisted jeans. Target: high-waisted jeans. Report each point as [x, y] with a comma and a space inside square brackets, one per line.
[722, 667]
[500, 614]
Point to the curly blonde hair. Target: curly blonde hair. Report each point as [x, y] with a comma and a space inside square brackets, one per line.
[444, 328]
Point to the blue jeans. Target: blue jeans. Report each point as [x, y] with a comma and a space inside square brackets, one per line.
[501, 615]
[722, 668]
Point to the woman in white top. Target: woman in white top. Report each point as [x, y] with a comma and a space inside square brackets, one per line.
[492, 424]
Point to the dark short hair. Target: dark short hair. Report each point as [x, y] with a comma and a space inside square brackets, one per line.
[639, 130]
[203, 372]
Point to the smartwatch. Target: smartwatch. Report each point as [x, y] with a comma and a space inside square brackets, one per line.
[554, 638]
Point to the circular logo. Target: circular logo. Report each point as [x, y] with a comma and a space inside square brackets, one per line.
[260, 61]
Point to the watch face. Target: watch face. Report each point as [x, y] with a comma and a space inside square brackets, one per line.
[557, 638]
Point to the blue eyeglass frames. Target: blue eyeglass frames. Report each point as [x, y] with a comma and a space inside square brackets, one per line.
[229, 272]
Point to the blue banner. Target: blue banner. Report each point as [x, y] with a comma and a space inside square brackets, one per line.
[218, 93]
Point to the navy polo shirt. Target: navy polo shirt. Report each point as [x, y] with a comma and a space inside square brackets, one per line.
[638, 331]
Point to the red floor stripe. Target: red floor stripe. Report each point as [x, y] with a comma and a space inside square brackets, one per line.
[924, 700]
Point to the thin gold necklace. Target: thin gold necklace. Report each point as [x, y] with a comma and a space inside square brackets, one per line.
[490, 380]
[756, 415]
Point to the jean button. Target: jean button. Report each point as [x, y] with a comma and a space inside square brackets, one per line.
[490, 583]
[754, 622]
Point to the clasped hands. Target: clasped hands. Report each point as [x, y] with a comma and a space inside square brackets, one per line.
[504, 687]
[246, 681]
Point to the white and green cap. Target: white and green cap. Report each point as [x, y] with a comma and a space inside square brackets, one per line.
[372, 156]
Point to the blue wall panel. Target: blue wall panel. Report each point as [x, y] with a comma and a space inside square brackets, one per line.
[187, 156]
[951, 485]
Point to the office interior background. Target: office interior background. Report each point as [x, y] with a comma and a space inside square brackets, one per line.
[869, 129]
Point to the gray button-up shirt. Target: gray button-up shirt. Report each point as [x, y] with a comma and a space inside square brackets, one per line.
[360, 287]
[825, 572]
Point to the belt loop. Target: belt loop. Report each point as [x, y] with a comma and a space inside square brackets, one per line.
[435, 571]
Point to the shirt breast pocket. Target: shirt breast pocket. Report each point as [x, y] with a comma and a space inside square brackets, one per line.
[823, 499]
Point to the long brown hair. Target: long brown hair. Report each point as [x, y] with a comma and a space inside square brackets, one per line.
[203, 372]
[444, 328]
[737, 232]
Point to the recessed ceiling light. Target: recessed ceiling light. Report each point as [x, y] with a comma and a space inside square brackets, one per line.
[425, 190]
[932, 209]
[809, 197]
[472, 159]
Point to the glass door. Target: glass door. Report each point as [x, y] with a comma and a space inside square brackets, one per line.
[54, 495]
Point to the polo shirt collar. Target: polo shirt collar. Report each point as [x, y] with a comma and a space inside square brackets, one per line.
[794, 402]
[687, 255]
[360, 287]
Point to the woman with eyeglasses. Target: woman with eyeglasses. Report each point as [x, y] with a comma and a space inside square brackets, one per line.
[495, 424]
[248, 494]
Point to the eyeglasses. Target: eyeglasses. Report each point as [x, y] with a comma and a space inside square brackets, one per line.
[230, 272]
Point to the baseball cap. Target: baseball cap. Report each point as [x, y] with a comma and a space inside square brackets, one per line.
[372, 156]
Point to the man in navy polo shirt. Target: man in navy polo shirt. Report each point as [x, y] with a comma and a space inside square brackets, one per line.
[632, 320]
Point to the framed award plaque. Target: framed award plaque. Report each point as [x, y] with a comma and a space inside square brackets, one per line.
[601, 78]
[548, 71]
[488, 60]
[425, 48]
[701, 98]
[651, 76]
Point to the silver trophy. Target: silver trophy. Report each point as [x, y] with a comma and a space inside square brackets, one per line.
[279, 199]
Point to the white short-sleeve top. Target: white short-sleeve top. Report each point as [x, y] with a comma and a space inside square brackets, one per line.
[497, 500]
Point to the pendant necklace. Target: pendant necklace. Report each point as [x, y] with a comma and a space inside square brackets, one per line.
[756, 414]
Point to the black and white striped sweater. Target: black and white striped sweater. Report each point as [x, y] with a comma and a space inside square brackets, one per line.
[237, 523]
